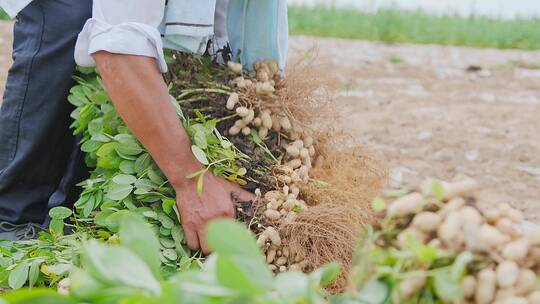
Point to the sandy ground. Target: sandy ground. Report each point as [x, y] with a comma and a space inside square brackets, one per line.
[429, 116]
[432, 118]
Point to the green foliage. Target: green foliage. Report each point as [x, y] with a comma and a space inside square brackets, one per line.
[235, 273]
[39, 262]
[125, 180]
[126, 177]
[3, 15]
[393, 25]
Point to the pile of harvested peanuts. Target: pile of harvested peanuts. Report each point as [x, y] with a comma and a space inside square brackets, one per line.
[507, 259]
[282, 204]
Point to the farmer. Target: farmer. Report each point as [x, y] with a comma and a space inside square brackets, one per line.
[40, 161]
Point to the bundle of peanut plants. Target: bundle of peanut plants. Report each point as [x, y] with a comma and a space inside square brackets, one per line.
[250, 129]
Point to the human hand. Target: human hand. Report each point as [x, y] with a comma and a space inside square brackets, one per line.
[197, 209]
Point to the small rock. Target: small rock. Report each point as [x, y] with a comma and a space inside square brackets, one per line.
[484, 73]
[488, 97]
[472, 155]
[440, 155]
[529, 169]
[396, 178]
[424, 135]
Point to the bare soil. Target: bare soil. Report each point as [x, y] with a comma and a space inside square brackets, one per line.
[437, 111]
[433, 111]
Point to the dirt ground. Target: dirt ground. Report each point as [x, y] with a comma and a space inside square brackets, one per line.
[429, 115]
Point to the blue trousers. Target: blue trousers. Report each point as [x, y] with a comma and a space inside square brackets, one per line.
[40, 161]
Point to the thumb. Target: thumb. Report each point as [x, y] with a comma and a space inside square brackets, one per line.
[242, 195]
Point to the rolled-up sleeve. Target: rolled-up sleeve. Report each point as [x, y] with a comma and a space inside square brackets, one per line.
[122, 27]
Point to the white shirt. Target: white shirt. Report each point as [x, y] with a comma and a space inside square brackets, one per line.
[13, 7]
[131, 27]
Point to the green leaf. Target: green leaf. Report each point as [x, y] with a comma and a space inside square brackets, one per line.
[200, 155]
[18, 276]
[107, 149]
[425, 253]
[56, 227]
[199, 139]
[33, 273]
[166, 221]
[129, 147]
[374, 292]
[59, 269]
[89, 206]
[459, 268]
[109, 161]
[60, 213]
[36, 296]
[127, 167]
[151, 197]
[178, 109]
[164, 231]
[100, 219]
[154, 176]
[124, 179]
[166, 242]
[76, 100]
[446, 288]
[293, 286]
[142, 163]
[145, 184]
[118, 266]
[170, 254]
[326, 274]
[90, 146]
[118, 192]
[200, 181]
[149, 213]
[200, 116]
[196, 174]
[241, 265]
[203, 288]
[177, 234]
[241, 172]
[438, 189]
[109, 205]
[113, 221]
[137, 235]
[256, 138]
[86, 70]
[84, 287]
[82, 201]
[95, 126]
[226, 144]
[102, 138]
[167, 205]
[126, 156]
[378, 204]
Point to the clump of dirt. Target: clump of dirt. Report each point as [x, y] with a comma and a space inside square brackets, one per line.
[202, 85]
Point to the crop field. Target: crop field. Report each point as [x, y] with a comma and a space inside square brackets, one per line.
[455, 126]
[391, 25]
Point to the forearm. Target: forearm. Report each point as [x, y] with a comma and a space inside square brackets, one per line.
[140, 96]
